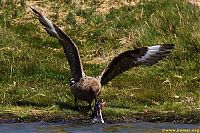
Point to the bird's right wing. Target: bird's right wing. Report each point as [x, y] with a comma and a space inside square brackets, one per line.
[132, 58]
[70, 48]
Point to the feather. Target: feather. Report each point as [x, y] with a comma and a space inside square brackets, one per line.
[133, 58]
[69, 47]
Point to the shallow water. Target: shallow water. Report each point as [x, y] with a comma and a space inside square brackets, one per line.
[80, 127]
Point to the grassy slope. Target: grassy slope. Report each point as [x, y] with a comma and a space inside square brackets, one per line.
[33, 69]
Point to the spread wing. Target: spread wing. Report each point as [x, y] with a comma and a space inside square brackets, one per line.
[70, 48]
[132, 58]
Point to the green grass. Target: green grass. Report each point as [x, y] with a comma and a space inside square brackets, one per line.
[33, 68]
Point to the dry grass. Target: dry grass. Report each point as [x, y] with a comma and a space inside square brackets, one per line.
[107, 5]
[103, 7]
[194, 2]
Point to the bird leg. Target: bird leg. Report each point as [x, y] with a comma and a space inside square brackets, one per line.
[95, 100]
[90, 109]
[93, 111]
[90, 106]
[75, 105]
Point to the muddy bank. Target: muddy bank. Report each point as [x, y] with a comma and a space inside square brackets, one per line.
[189, 118]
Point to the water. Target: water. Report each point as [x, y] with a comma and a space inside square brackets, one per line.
[80, 127]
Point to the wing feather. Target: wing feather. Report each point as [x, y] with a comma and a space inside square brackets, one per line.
[69, 47]
[133, 58]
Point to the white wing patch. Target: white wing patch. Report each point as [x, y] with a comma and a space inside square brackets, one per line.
[50, 25]
[151, 51]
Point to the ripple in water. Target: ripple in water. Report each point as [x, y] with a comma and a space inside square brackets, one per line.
[80, 127]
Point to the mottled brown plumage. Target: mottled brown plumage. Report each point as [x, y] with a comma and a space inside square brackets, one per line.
[88, 88]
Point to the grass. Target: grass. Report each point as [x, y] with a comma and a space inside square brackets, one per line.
[34, 72]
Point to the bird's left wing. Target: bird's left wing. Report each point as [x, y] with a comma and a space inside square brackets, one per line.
[132, 58]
